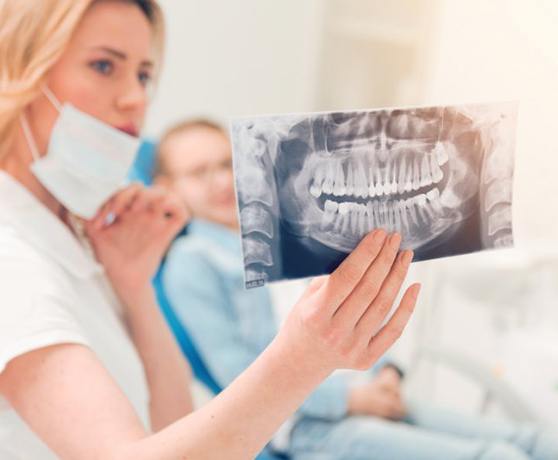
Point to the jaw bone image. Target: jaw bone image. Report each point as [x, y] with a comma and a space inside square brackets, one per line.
[311, 186]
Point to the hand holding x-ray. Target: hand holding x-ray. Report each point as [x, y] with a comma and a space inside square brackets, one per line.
[310, 186]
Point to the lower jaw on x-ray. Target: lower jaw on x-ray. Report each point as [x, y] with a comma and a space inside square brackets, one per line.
[311, 186]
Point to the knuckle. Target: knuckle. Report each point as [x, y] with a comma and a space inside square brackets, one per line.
[398, 270]
[386, 257]
[313, 319]
[349, 273]
[309, 317]
[370, 249]
[370, 288]
[394, 332]
[335, 338]
[383, 305]
[362, 362]
[347, 350]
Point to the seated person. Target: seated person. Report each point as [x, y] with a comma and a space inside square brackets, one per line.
[203, 279]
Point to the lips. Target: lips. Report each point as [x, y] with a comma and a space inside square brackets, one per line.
[128, 129]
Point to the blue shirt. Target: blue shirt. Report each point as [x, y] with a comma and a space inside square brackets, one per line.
[231, 326]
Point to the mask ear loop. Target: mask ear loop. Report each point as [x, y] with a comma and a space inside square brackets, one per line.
[29, 137]
[51, 97]
[25, 124]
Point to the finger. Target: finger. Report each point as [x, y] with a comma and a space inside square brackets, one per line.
[397, 410]
[117, 203]
[387, 407]
[396, 390]
[344, 279]
[167, 211]
[148, 200]
[173, 217]
[385, 338]
[389, 387]
[389, 373]
[172, 207]
[367, 289]
[315, 285]
[317, 282]
[375, 314]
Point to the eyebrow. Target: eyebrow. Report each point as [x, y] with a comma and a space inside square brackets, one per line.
[121, 55]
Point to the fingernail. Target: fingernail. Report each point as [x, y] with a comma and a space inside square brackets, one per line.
[395, 239]
[407, 257]
[418, 287]
[379, 235]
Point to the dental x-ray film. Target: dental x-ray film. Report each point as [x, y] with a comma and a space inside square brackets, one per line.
[310, 186]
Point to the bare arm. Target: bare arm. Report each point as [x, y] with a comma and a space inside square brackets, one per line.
[96, 421]
[330, 327]
[130, 249]
[168, 373]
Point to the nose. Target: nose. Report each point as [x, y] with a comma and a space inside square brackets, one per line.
[132, 97]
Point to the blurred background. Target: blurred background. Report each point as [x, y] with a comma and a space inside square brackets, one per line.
[485, 336]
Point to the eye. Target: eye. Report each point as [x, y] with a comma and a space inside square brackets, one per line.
[103, 66]
[144, 77]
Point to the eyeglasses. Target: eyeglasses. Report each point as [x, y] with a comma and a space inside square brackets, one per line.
[207, 173]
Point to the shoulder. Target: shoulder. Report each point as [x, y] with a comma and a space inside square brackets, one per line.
[13, 247]
[25, 271]
[37, 301]
[198, 250]
[189, 261]
[189, 251]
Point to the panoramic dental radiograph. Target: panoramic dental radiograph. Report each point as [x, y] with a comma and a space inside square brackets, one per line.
[311, 186]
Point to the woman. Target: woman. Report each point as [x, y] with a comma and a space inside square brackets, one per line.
[88, 368]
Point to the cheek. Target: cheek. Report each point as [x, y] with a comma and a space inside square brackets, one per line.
[76, 84]
[195, 196]
[224, 182]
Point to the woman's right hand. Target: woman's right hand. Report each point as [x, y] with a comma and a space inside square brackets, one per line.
[337, 322]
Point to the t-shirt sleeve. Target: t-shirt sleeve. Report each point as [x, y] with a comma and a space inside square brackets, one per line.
[36, 308]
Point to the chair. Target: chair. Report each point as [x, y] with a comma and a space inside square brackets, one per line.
[189, 349]
[142, 171]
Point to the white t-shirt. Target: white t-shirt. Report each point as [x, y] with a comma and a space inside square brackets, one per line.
[52, 291]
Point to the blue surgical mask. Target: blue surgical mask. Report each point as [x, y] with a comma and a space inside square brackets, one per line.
[87, 161]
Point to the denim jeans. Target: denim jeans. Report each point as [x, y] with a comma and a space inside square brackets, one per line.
[428, 433]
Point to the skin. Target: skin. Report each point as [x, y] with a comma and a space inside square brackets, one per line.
[329, 328]
[204, 182]
[380, 397]
[193, 162]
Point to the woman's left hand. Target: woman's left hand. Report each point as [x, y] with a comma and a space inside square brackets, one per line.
[143, 223]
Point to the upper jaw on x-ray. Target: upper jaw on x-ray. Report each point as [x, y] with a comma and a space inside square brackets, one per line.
[430, 174]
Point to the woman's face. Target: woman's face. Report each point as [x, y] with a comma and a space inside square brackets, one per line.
[105, 71]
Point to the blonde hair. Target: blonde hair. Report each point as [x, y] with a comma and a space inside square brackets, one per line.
[33, 36]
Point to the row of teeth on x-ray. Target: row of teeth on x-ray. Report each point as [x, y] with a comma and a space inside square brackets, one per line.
[361, 180]
[357, 219]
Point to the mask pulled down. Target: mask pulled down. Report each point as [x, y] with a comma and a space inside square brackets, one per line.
[87, 161]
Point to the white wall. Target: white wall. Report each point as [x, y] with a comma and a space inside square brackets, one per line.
[488, 51]
[237, 58]
[502, 50]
